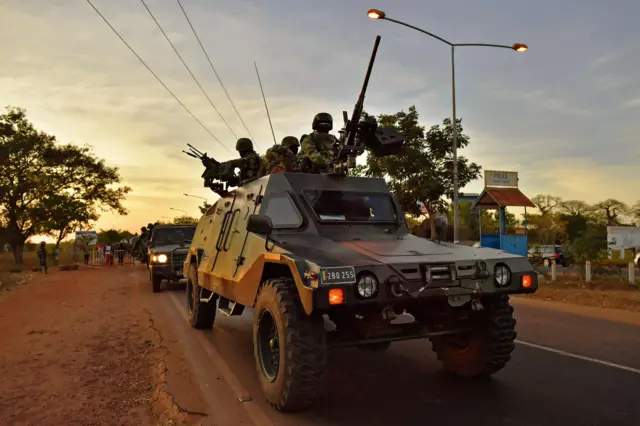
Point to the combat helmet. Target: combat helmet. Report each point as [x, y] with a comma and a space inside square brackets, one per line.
[292, 143]
[322, 121]
[244, 144]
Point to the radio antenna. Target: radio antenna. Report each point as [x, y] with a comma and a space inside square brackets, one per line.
[265, 102]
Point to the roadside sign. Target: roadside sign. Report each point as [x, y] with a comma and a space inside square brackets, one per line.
[500, 179]
[623, 237]
[89, 236]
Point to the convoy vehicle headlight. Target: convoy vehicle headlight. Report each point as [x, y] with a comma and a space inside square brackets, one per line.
[502, 275]
[367, 286]
[162, 258]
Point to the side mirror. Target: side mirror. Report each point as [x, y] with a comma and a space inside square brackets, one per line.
[259, 224]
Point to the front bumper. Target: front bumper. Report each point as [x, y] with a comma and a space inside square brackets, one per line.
[167, 271]
[385, 296]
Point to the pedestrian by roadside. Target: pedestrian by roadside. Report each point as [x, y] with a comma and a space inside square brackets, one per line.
[121, 253]
[85, 250]
[56, 256]
[107, 255]
[42, 255]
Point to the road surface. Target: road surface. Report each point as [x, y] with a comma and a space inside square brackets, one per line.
[567, 369]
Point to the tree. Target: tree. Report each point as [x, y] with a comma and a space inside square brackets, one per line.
[422, 172]
[204, 207]
[575, 208]
[113, 236]
[546, 203]
[612, 208]
[636, 211]
[575, 225]
[35, 172]
[184, 220]
[64, 214]
[592, 245]
[545, 228]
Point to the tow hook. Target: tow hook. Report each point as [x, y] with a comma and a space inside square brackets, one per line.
[476, 305]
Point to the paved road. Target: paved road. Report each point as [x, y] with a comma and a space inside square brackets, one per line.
[405, 385]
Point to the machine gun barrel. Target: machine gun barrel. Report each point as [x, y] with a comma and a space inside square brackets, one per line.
[352, 125]
[196, 150]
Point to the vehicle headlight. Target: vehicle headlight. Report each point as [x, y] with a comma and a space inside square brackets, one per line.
[160, 258]
[502, 275]
[367, 286]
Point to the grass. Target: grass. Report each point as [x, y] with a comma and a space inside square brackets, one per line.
[31, 261]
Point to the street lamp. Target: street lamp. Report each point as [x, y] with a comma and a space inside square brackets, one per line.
[195, 196]
[518, 47]
[179, 210]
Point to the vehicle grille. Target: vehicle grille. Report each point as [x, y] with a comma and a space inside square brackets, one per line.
[437, 274]
[177, 258]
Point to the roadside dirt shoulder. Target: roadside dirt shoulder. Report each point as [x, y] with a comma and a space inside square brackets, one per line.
[616, 315]
[77, 347]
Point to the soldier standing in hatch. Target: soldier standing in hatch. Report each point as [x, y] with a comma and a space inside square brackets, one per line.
[317, 147]
[251, 165]
[282, 157]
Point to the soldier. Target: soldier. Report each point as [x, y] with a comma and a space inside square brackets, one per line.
[251, 166]
[317, 148]
[282, 157]
[42, 256]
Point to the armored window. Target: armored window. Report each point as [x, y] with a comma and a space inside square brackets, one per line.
[162, 236]
[282, 211]
[351, 206]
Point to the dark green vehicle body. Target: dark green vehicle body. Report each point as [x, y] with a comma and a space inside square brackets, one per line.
[167, 250]
[329, 262]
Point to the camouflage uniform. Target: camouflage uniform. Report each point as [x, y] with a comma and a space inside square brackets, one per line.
[317, 148]
[282, 157]
[250, 167]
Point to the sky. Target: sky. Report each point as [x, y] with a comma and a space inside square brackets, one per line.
[561, 115]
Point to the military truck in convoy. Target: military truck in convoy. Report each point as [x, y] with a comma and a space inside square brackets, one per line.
[327, 260]
[168, 248]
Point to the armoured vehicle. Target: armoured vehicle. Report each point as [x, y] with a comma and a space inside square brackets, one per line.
[327, 260]
[168, 248]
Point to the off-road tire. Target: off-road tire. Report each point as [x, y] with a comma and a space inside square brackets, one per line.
[375, 347]
[201, 315]
[302, 345]
[156, 282]
[490, 345]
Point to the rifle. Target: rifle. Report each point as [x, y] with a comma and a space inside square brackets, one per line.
[219, 177]
[358, 134]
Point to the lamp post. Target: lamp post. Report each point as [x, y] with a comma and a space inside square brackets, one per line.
[195, 196]
[518, 47]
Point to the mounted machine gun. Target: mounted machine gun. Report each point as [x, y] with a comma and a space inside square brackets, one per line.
[358, 134]
[219, 177]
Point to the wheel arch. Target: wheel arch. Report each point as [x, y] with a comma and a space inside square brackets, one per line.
[275, 265]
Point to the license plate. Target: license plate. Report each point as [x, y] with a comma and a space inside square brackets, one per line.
[339, 275]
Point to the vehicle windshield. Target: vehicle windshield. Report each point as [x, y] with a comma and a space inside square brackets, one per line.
[351, 206]
[173, 235]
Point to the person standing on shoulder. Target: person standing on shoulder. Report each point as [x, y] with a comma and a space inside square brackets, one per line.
[85, 250]
[317, 147]
[42, 256]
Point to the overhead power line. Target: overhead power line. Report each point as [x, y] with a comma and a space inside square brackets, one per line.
[187, 67]
[215, 72]
[157, 78]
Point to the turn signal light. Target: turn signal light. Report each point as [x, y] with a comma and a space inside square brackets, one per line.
[526, 281]
[336, 296]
